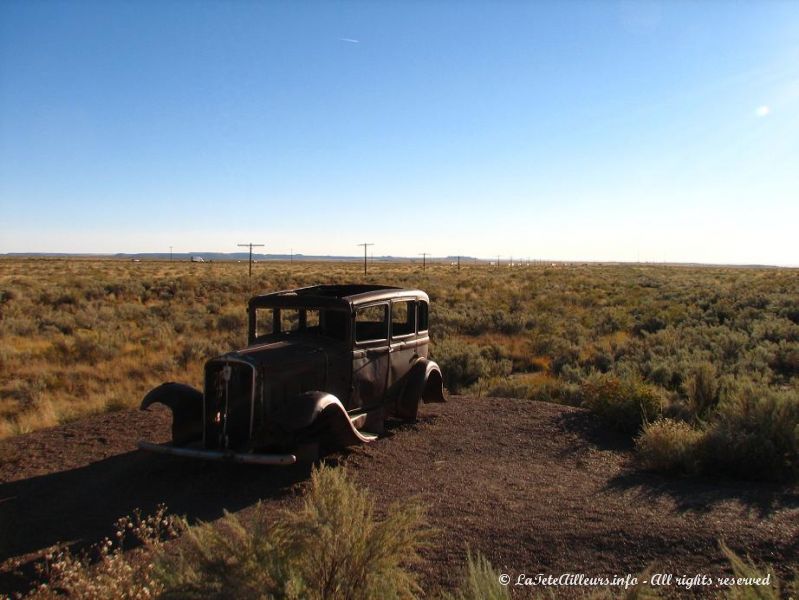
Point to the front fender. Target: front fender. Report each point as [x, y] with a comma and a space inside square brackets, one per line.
[186, 404]
[319, 416]
[424, 383]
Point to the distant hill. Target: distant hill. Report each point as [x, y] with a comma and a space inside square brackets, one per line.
[222, 256]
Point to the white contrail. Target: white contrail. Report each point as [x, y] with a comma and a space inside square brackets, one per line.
[349, 40]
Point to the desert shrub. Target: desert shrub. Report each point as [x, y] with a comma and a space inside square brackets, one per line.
[508, 321]
[232, 322]
[649, 324]
[703, 390]
[480, 581]
[669, 445]
[747, 570]
[87, 347]
[106, 571]
[625, 403]
[665, 375]
[564, 354]
[510, 387]
[332, 547]
[196, 350]
[755, 434]
[785, 359]
[463, 365]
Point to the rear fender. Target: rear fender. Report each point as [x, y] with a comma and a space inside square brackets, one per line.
[424, 383]
[186, 404]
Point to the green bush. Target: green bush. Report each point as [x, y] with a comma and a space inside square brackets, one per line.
[625, 403]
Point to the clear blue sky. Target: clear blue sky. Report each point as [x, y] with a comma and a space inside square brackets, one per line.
[566, 130]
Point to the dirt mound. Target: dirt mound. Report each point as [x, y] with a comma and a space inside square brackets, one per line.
[538, 488]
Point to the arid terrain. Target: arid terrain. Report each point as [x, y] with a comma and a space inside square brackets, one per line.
[534, 486]
[603, 418]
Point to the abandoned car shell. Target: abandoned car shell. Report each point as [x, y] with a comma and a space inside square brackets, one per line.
[324, 365]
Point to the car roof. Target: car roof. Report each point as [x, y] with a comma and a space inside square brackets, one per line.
[341, 296]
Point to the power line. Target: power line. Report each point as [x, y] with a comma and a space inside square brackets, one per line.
[365, 246]
[251, 246]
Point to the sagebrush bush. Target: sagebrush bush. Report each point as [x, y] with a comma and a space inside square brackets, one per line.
[625, 403]
[755, 434]
[703, 390]
[669, 445]
[480, 581]
[747, 570]
[107, 571]
[462, 365]
[333, 547]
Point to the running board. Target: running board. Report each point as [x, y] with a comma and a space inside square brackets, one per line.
[237, 457]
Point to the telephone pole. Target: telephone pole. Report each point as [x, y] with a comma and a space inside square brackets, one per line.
[459, 263]
[251, 246]
[170, 254]
[424, 256]
[365, 246]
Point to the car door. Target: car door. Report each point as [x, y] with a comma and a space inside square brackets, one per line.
[370, 355]
[403, 351]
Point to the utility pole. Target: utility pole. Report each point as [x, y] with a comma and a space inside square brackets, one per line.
[498, 255]
[459, 263]
[170, 254]
[251, 246]
[291, 257]
[424, 256]
[365, 246]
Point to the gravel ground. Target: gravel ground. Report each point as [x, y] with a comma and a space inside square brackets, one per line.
[537, 488]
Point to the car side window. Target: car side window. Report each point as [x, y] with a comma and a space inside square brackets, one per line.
[422, 309]
[289, 320]
[403, 317]
[264, 322]
[371, 323]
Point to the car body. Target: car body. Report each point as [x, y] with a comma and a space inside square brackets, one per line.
[324, 365]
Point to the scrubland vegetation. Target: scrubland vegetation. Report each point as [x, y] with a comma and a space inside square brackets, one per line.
[700, 364]
[333, 548]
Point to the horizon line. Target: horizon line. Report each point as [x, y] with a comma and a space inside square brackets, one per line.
[277, 257]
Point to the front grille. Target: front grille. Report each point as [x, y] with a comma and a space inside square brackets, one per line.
[228, 404]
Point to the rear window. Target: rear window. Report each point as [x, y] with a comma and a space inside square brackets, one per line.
[422, 310]
[403, 317]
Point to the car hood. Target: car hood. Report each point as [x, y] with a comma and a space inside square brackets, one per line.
[299, 354]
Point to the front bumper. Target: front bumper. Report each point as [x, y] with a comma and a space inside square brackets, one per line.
[230, 456]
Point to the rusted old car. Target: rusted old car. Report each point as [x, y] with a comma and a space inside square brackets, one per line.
[323, 366]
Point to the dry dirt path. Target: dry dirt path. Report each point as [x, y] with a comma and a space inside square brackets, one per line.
[538, 488]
